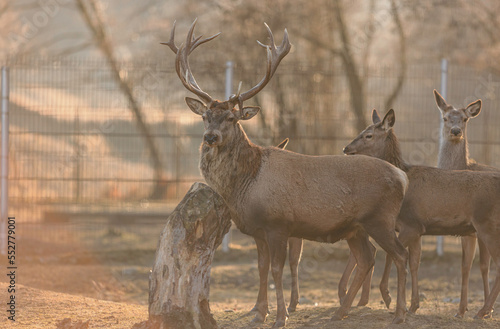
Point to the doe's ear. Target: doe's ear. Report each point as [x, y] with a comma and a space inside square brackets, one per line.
[196, 106]
[249, 112]
[473, 109]
[375, 117]
[440, 102]
[389, 120]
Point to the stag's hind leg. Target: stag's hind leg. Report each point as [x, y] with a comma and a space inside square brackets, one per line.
[361, 248]
[294, 254]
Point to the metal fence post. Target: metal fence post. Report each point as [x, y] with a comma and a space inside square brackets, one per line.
[4, 161]
[444, 80]
[229, 91]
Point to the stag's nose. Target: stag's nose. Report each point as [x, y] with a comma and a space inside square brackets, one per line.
[211, 139]
[456, 131]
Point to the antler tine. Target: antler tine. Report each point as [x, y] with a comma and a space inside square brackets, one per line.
[171, 42]
[274, 57]
[182, 63]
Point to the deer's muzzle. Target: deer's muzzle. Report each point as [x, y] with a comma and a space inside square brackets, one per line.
[212, 139]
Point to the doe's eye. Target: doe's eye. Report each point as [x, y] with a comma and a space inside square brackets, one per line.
[369, 136]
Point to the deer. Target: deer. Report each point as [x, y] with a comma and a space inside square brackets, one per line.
[438, 202]
[454, 154]
[275, 194]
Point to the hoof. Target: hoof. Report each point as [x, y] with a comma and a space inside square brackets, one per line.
[483, 315]
[388, 301]
[398, 320]
[259, 319]
[292, 309]
[413, 308]
[362, 302]
[279, 324]
[255, 309]
[339, 316]
[459, 315]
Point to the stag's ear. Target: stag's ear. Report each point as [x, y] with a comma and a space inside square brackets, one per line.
[473, 109]
[249, 112]
[196, 106]
[375, 117]
[389, 120]
[440, 102]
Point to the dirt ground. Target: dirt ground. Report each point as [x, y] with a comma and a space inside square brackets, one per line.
[57, 285]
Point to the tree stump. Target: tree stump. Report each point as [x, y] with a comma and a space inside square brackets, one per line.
[179, 284]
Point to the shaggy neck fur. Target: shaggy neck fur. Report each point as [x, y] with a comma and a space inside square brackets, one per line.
[392, 152]
[453, 155]
[230, 168]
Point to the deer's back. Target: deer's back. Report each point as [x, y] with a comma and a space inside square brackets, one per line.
[323, 193]
[447, 201]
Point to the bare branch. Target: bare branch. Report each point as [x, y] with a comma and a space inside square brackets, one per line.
[402, 57]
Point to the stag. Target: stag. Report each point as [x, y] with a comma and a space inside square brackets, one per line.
[276, 194]
[438, 202]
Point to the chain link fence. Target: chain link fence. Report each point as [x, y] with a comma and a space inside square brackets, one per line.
[80, 168]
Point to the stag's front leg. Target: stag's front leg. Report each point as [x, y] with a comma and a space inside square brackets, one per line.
[277, 242]
[360, 248]
[468, 250]
[294, 254]
[261, 307]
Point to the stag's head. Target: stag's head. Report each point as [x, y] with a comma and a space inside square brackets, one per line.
[221, 118]
[372, 140]
[454, 120]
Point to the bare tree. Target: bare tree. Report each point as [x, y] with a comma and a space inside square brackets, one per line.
[93, 18]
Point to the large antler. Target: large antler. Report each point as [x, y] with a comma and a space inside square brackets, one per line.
[274, 57]
[182, 63]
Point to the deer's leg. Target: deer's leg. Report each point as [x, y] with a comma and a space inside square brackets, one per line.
[414, 254]
[277, 242]
[489, 236]
[365, 290]
[360, 248]
[384, 281]
[294, 253]
[484, 265]
[344, 280]
[386, 238]
[261, 307]
[468, 250]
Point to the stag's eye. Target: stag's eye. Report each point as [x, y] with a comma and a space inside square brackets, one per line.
[368, 136]
[445, 119]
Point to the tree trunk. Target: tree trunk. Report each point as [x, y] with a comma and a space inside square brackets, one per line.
[179, 284]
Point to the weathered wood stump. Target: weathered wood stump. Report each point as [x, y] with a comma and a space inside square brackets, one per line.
[179, 284]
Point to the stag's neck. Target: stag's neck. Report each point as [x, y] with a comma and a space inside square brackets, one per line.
[453, 155]
[231, 168]
[392, 152]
